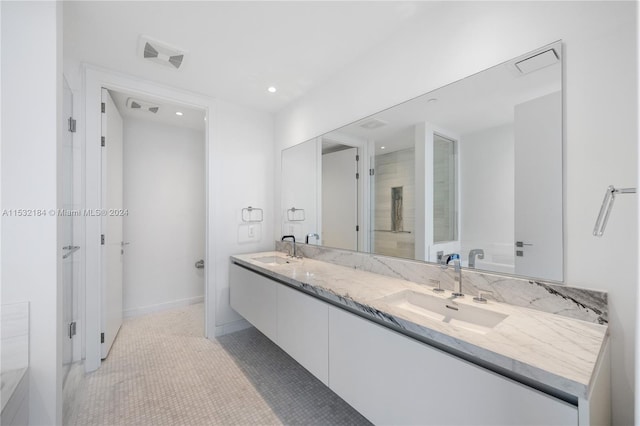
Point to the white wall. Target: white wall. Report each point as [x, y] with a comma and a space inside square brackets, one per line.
[244, 175]
[457, 39]
[31, 134]
[164, 193]
[301, 170]
[486, 190]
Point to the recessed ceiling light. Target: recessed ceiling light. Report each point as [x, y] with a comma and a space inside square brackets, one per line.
[272, 89]
[382, 147]
[178, 113]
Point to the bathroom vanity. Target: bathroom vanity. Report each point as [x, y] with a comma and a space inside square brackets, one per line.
[401, 353]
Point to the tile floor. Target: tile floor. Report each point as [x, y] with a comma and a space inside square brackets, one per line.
[161, 371]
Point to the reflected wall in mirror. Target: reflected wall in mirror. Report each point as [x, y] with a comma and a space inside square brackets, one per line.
[473, 168]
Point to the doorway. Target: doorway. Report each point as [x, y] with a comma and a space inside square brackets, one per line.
[161, 239]
[340, 188]
[95, 79]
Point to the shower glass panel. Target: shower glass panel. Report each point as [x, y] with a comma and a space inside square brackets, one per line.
[445, 190]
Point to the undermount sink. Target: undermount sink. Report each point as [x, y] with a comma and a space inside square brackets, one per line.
[448, 311]
[274, 260]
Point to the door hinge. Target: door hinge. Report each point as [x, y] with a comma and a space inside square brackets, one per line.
[103, 107]
[101, 239]
[101, 337]
[72, 125]
[357, 175]
[103, 141]
[72, 329]
[357, 228]
[357, 157]
[372, 172]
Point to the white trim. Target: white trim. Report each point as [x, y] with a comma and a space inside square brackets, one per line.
[144, 310]
[318, 218]
[94, 79]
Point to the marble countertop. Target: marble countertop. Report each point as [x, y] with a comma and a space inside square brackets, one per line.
[551, 350]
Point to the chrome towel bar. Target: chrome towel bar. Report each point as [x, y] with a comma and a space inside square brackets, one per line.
[297, 215]
[607, 204]
[248, 217]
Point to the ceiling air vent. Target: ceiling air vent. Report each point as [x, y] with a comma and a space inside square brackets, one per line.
[533, 62]
[160, 53]
[537, 61]
[374, 123]
[142, 105]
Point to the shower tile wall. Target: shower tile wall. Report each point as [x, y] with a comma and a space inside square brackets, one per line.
[394, 170]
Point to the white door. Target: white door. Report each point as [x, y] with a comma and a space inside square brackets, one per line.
[112, 249]
[340, 199]
[538, 188]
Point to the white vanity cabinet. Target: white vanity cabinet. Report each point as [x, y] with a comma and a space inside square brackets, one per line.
[303, 330]
[254, 297]
[393, 379]
[296, 322]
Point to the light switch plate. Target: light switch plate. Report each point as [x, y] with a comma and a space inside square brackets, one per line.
[249, 233]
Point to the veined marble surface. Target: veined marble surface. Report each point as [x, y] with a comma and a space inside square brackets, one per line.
[553, 350]
[573, 302]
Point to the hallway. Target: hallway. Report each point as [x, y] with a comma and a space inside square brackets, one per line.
[161, 371]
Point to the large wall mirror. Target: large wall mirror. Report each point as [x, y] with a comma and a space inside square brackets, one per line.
[473, 168]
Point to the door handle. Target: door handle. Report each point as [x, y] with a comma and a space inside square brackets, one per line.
[521, 244]
[122, 243]
[199, 264]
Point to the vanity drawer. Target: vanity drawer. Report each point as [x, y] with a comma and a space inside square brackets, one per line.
[303, 330]
[254, 297]
[393, 379]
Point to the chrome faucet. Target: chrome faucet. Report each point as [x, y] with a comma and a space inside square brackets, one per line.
[455, 258]
[293, 243]
[458, 277]
[311, 235]
[472, 257]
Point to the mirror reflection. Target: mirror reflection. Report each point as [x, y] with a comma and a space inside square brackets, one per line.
[473, 168]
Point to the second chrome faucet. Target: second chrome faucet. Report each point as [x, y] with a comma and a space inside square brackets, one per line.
[455, 258]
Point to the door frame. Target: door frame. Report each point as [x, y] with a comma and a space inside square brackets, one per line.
[363, 184]
[95, 78]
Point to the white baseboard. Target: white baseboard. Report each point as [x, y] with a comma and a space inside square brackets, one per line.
[143, 310]
[232, 327]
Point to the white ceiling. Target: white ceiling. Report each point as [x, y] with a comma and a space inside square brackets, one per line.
[236, 49]
[478, 102]
[191, 118]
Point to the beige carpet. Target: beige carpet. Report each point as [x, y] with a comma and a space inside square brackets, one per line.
[162, 371]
